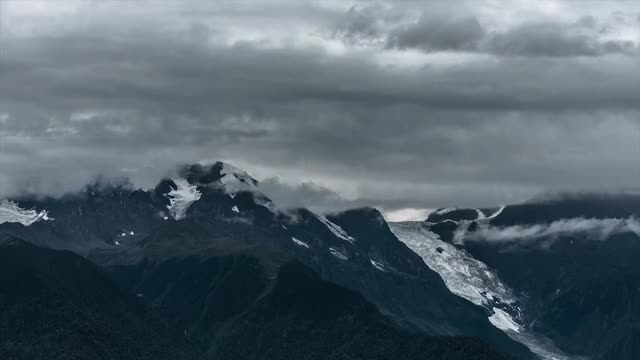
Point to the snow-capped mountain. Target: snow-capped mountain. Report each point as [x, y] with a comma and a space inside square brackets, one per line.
[556, 276]
[214, 211]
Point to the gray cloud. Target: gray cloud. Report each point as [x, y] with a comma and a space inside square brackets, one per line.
[308, 194]
[554, 39]
[361, 24]
[137, 93]
[433, 33]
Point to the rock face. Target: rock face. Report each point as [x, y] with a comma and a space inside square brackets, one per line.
[211, 225]
[571, 263]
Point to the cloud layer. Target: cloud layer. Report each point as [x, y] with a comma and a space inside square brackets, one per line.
[597, 229]
[400, 104]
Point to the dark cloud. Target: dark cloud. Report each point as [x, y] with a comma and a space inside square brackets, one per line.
[435, 33]
[553, 39]
[361, 24]
[130, 97]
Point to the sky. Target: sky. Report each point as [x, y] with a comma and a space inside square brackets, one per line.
[403, 105]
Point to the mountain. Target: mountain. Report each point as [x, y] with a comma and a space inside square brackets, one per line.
[175, 247]
[57, 305]
[231, 306]
[569, 265]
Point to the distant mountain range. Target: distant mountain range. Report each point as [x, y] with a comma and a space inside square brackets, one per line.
[204, 266]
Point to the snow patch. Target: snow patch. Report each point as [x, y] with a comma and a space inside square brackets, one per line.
[503, 321]
[336, 229]
[338, 254]
[235, 209]
[498, 212]
[182, 198]
[10, 212]
[298, 242]
[444, 211]
[377, 265]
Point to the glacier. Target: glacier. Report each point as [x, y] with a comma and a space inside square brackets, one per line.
[474, 281]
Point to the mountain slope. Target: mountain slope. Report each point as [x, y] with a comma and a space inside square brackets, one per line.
[235, 309]
[572, 264]
[302, 308]
[57, 305]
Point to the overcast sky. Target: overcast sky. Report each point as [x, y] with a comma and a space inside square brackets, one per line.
[331, 104]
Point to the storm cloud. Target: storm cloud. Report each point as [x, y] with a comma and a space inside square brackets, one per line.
[400, 105]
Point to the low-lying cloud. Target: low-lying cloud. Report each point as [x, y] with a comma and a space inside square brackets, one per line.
[597, 229]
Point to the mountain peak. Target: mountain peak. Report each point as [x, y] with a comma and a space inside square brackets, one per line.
[233, 178]
[181, 192]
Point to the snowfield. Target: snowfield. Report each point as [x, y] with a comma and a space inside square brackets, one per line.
[182, 198]
[10, 212]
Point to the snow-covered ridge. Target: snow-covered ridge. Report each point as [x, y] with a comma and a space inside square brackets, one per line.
[444, 211]
[10, 212]
[181, 198]
[498, 212]
[299, 242]
[481, 216]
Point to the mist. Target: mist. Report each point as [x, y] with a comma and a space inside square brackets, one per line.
[597, 229]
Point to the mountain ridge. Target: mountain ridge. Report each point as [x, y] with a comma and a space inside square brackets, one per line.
[124, 227]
